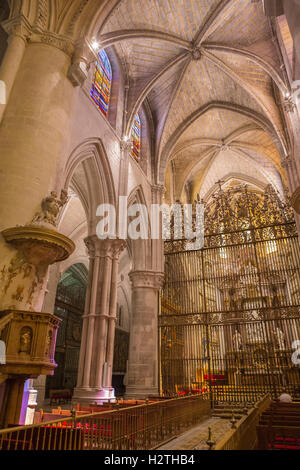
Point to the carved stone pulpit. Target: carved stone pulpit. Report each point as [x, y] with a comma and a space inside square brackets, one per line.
[30, 339]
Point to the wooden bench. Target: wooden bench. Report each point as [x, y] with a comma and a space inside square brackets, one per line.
[60, 396]
[278, 437]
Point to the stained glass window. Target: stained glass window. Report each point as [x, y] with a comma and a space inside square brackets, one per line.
[100, 91]
[136, 138]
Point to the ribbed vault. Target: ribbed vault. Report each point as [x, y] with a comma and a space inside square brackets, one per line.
[209, 71]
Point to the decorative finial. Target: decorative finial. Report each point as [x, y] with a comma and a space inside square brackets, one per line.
[210, 442]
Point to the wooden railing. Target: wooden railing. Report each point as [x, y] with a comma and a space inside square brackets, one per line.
[141, 427]
[244, 436]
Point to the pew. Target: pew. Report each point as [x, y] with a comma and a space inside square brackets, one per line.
[60, 396]
[278, 437]
[279, 427]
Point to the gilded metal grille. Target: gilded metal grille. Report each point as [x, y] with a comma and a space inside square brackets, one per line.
[230, 311]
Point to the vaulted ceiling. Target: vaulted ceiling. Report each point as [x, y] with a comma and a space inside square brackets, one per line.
[211, 73]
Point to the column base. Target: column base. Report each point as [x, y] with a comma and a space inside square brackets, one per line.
[31, 407]
[141, 392]
[92, 396]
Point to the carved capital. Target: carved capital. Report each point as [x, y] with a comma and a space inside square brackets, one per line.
[82, 57]
[90, 245]
[287, 162]
[18, 26]
[158, 191]
[62, 43]
[126, 145]
[146, 279]
[289, 105]
[111, 248]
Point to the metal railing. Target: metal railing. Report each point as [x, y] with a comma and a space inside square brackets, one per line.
[140, 427]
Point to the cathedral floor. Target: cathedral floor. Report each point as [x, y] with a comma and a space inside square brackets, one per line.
[195, 438]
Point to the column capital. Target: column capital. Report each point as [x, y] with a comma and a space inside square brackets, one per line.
[126, 146]
[60, 42]
[18, 26]
[111, 248]
[82, 57]
[287, 161]
[158, 191]
[289, 104]
[152, 279]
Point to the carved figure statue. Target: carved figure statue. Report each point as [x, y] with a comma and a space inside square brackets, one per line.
[280, 338]
[50, 208]
[237, 340]
[25, 340]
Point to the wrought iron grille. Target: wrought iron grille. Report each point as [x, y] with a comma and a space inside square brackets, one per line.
[230, 311]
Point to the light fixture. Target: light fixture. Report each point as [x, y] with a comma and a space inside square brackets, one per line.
[95, 45]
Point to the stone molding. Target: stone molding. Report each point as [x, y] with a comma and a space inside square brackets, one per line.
[152, 279]
[20, 26]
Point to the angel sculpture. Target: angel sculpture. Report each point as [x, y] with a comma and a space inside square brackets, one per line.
[51, 207]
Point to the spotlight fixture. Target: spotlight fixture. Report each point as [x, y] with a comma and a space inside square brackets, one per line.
[95, 45]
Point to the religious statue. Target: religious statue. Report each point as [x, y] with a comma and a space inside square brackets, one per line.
[275, 298]
[25, 340]
[280, 338]
[51, 207]
[237, 340]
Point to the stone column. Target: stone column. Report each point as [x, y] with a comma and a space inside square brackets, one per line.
[33, 135]
[142, 378]
[112, 318]
[18, 32]
[96, 353]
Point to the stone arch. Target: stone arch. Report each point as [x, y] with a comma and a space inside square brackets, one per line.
[99, 187]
